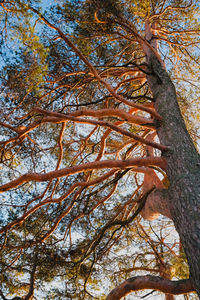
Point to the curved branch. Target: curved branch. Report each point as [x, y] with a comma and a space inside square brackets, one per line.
[151, 282]
[97, 165]
[55, 117]
[56, 200]
[93, 70]
[60, 118]
[155, 16]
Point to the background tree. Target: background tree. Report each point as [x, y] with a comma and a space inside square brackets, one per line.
[93, 139]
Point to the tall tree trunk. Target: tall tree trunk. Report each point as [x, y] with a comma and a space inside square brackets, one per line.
[183, 166]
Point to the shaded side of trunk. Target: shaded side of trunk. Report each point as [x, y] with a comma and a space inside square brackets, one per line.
[183, 168]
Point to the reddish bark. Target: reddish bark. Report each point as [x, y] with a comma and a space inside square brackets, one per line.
[151, 282]
[105, 164]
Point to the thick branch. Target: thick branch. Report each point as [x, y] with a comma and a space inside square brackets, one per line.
[104, 164]
[59, 117]
[151, 282]
[106, 112]
[156, 204]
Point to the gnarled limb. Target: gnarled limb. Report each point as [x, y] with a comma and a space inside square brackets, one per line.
[151, 282]
[157, 201]
[156, 204]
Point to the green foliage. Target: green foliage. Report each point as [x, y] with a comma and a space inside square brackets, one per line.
[179, 266]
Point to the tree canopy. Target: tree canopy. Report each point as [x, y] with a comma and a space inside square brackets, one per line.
[82, 160]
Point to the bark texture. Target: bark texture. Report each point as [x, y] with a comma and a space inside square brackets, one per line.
[183, 166]
[157, 203]
[150, 282]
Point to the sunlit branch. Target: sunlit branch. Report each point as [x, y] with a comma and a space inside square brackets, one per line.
[155, 16]
[146, 46]
[58, 118]
[88, 64]
[8, 126]
[104, 164]
[50, 200]
[112, 112]
[60, 145]
[100, 202]
[151, 282]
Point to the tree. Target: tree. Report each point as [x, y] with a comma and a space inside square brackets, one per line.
[93, 139]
